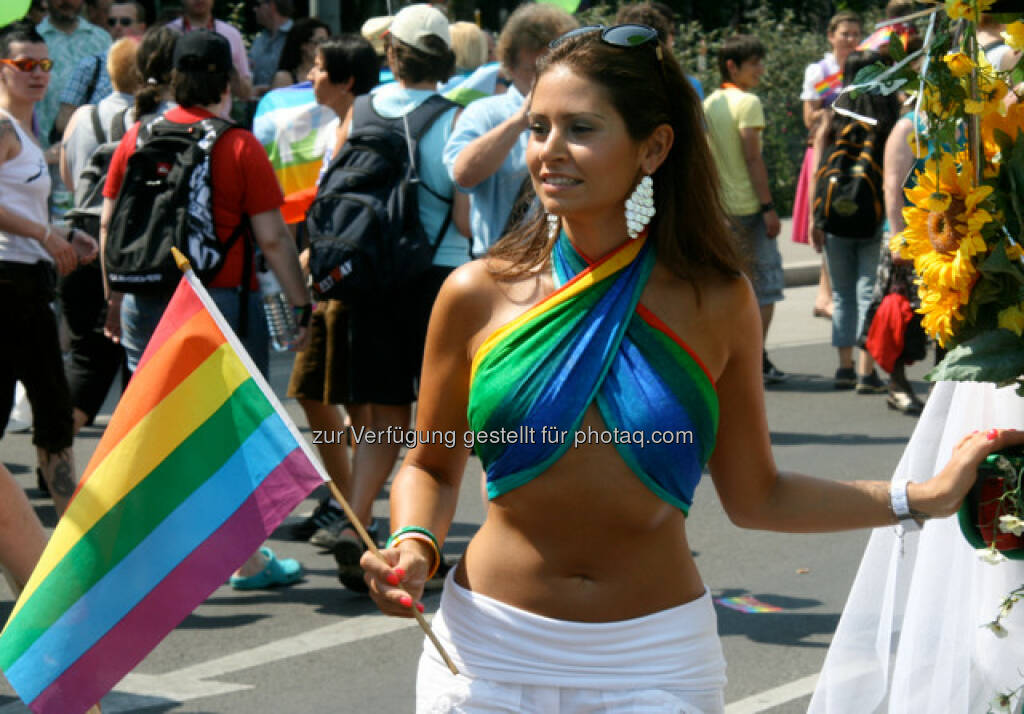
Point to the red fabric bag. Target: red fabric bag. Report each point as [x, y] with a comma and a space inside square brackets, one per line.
[888, 330]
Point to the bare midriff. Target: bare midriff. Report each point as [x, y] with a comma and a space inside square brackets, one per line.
[585, 541]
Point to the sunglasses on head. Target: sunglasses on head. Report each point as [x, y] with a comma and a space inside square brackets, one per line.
[616, 36]
[122, 21]
[27, 65]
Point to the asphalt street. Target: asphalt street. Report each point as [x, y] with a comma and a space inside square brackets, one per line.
[318, 647]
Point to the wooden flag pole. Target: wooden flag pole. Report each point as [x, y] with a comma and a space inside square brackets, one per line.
[372, 546]
[184, 266]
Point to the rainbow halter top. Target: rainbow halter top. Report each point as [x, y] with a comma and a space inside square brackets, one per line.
[591, 341]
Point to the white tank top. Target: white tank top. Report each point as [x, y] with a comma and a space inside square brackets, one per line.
[25, 187]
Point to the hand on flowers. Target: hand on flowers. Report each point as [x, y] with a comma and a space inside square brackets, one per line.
[396, 582]
[942, 495]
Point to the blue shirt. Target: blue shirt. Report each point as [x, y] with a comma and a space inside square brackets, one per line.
[265, 53]
[392, 101]
[65, 50]
[492, 199]
[76, 89]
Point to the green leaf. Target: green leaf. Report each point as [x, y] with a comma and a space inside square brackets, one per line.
[993, 356]
[998, 264]
[896, 50]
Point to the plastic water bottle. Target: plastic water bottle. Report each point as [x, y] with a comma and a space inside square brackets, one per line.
[280, 317]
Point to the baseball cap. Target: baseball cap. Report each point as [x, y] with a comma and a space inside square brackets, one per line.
[375, 30]
[202, 51]
[415, 22]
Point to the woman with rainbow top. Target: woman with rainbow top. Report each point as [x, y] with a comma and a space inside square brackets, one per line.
[598, 358]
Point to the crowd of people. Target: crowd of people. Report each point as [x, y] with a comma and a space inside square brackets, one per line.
[603, 255]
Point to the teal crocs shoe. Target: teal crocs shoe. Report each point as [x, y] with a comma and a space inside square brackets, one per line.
[278, 571]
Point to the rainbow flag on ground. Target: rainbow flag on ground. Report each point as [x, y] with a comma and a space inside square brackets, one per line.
[198, 465]
[296, 133]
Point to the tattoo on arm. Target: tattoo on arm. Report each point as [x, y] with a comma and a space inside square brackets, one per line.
[7, 129]
[62, 478]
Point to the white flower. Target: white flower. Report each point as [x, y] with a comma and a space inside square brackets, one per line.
[997, 629]
[990, 555]
[1000, 704]
[1011, 524]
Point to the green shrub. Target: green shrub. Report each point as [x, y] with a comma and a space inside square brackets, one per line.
[791, 45]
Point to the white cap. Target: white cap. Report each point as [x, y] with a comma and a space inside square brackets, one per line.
[375, 29]
[415, 22]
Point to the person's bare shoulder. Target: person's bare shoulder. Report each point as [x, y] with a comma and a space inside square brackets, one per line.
[10, 144]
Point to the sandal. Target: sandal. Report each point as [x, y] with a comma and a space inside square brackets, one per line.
[277, 571]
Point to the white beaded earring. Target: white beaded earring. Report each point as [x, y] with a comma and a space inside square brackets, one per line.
[552, 226]
[640, 207]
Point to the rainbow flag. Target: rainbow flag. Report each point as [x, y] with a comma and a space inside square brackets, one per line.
[882, 37]
[829, 85]
[296, 133]
[198, 465]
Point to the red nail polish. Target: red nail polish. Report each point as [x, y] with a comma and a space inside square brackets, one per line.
[405, 601]
[392, 579]
[992, 434]
[399, 573]
[419, 606]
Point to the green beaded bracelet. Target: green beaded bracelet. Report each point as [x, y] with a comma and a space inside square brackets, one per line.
[413, 529]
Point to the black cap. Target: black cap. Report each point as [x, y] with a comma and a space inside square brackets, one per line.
[202, 51]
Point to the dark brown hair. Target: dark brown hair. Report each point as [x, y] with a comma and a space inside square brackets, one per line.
[413, 65]
[155, 59]
[739, 49]
[689, 232]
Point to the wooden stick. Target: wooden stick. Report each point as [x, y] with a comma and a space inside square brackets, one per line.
[372, 546]
[911, 16]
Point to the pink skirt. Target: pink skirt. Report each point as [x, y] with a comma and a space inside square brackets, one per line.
[801, 205]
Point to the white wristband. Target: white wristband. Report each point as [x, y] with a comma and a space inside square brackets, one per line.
[901, 506]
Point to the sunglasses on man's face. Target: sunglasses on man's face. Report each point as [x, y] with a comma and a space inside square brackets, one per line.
[122, 21]
[617, 35]
[27, 65]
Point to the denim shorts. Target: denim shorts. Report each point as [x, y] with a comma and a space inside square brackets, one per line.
[140, 315]
[763, 257]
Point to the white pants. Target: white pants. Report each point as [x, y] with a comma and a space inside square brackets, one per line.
[514, 661]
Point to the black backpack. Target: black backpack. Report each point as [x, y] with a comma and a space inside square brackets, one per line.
[88, 188]
[848, 186]
[364, 224]
[166, 199]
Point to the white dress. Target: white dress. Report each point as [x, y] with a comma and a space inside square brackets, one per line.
[912, 635]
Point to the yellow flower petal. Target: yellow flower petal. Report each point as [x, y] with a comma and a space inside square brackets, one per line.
[959, 63]
[1012, 319]
[1014, 35]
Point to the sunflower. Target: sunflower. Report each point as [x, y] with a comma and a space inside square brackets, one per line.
[1010, 124]
[942, 237]
[967, 9]
[940, 311]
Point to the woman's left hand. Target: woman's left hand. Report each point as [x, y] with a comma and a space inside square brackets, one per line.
[942, 495]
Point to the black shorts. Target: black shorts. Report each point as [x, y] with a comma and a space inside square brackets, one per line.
[31, 353]
[387, 334]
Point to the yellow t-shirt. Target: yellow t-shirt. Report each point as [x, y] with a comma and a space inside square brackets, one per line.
[727, 112]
